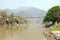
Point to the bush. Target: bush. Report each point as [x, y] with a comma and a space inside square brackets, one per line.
[11, 20]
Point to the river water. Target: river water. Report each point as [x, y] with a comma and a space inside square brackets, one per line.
[30, 31]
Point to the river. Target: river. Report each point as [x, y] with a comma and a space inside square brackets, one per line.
[30, 31]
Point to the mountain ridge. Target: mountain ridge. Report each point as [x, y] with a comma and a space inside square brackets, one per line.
[27, 12]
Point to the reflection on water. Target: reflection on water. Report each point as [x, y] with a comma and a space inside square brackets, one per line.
[8, 34]
[24, 32]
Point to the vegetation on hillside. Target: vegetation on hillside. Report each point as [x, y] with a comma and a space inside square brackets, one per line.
[57, 28]
[4, 18]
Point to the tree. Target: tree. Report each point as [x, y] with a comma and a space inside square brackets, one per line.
[11, 20]
[1, 18]
[3, 14]
[17, 19]
[53, 15]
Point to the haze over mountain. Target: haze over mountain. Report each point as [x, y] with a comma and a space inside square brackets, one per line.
[27, 12]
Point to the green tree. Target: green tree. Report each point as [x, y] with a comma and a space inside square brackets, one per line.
[3, 14]
[53, 15]
[17, 19]
[11, 20]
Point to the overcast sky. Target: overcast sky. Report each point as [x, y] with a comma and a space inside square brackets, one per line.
[40, 4]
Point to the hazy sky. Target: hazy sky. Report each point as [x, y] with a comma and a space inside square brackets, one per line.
[40, 4]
